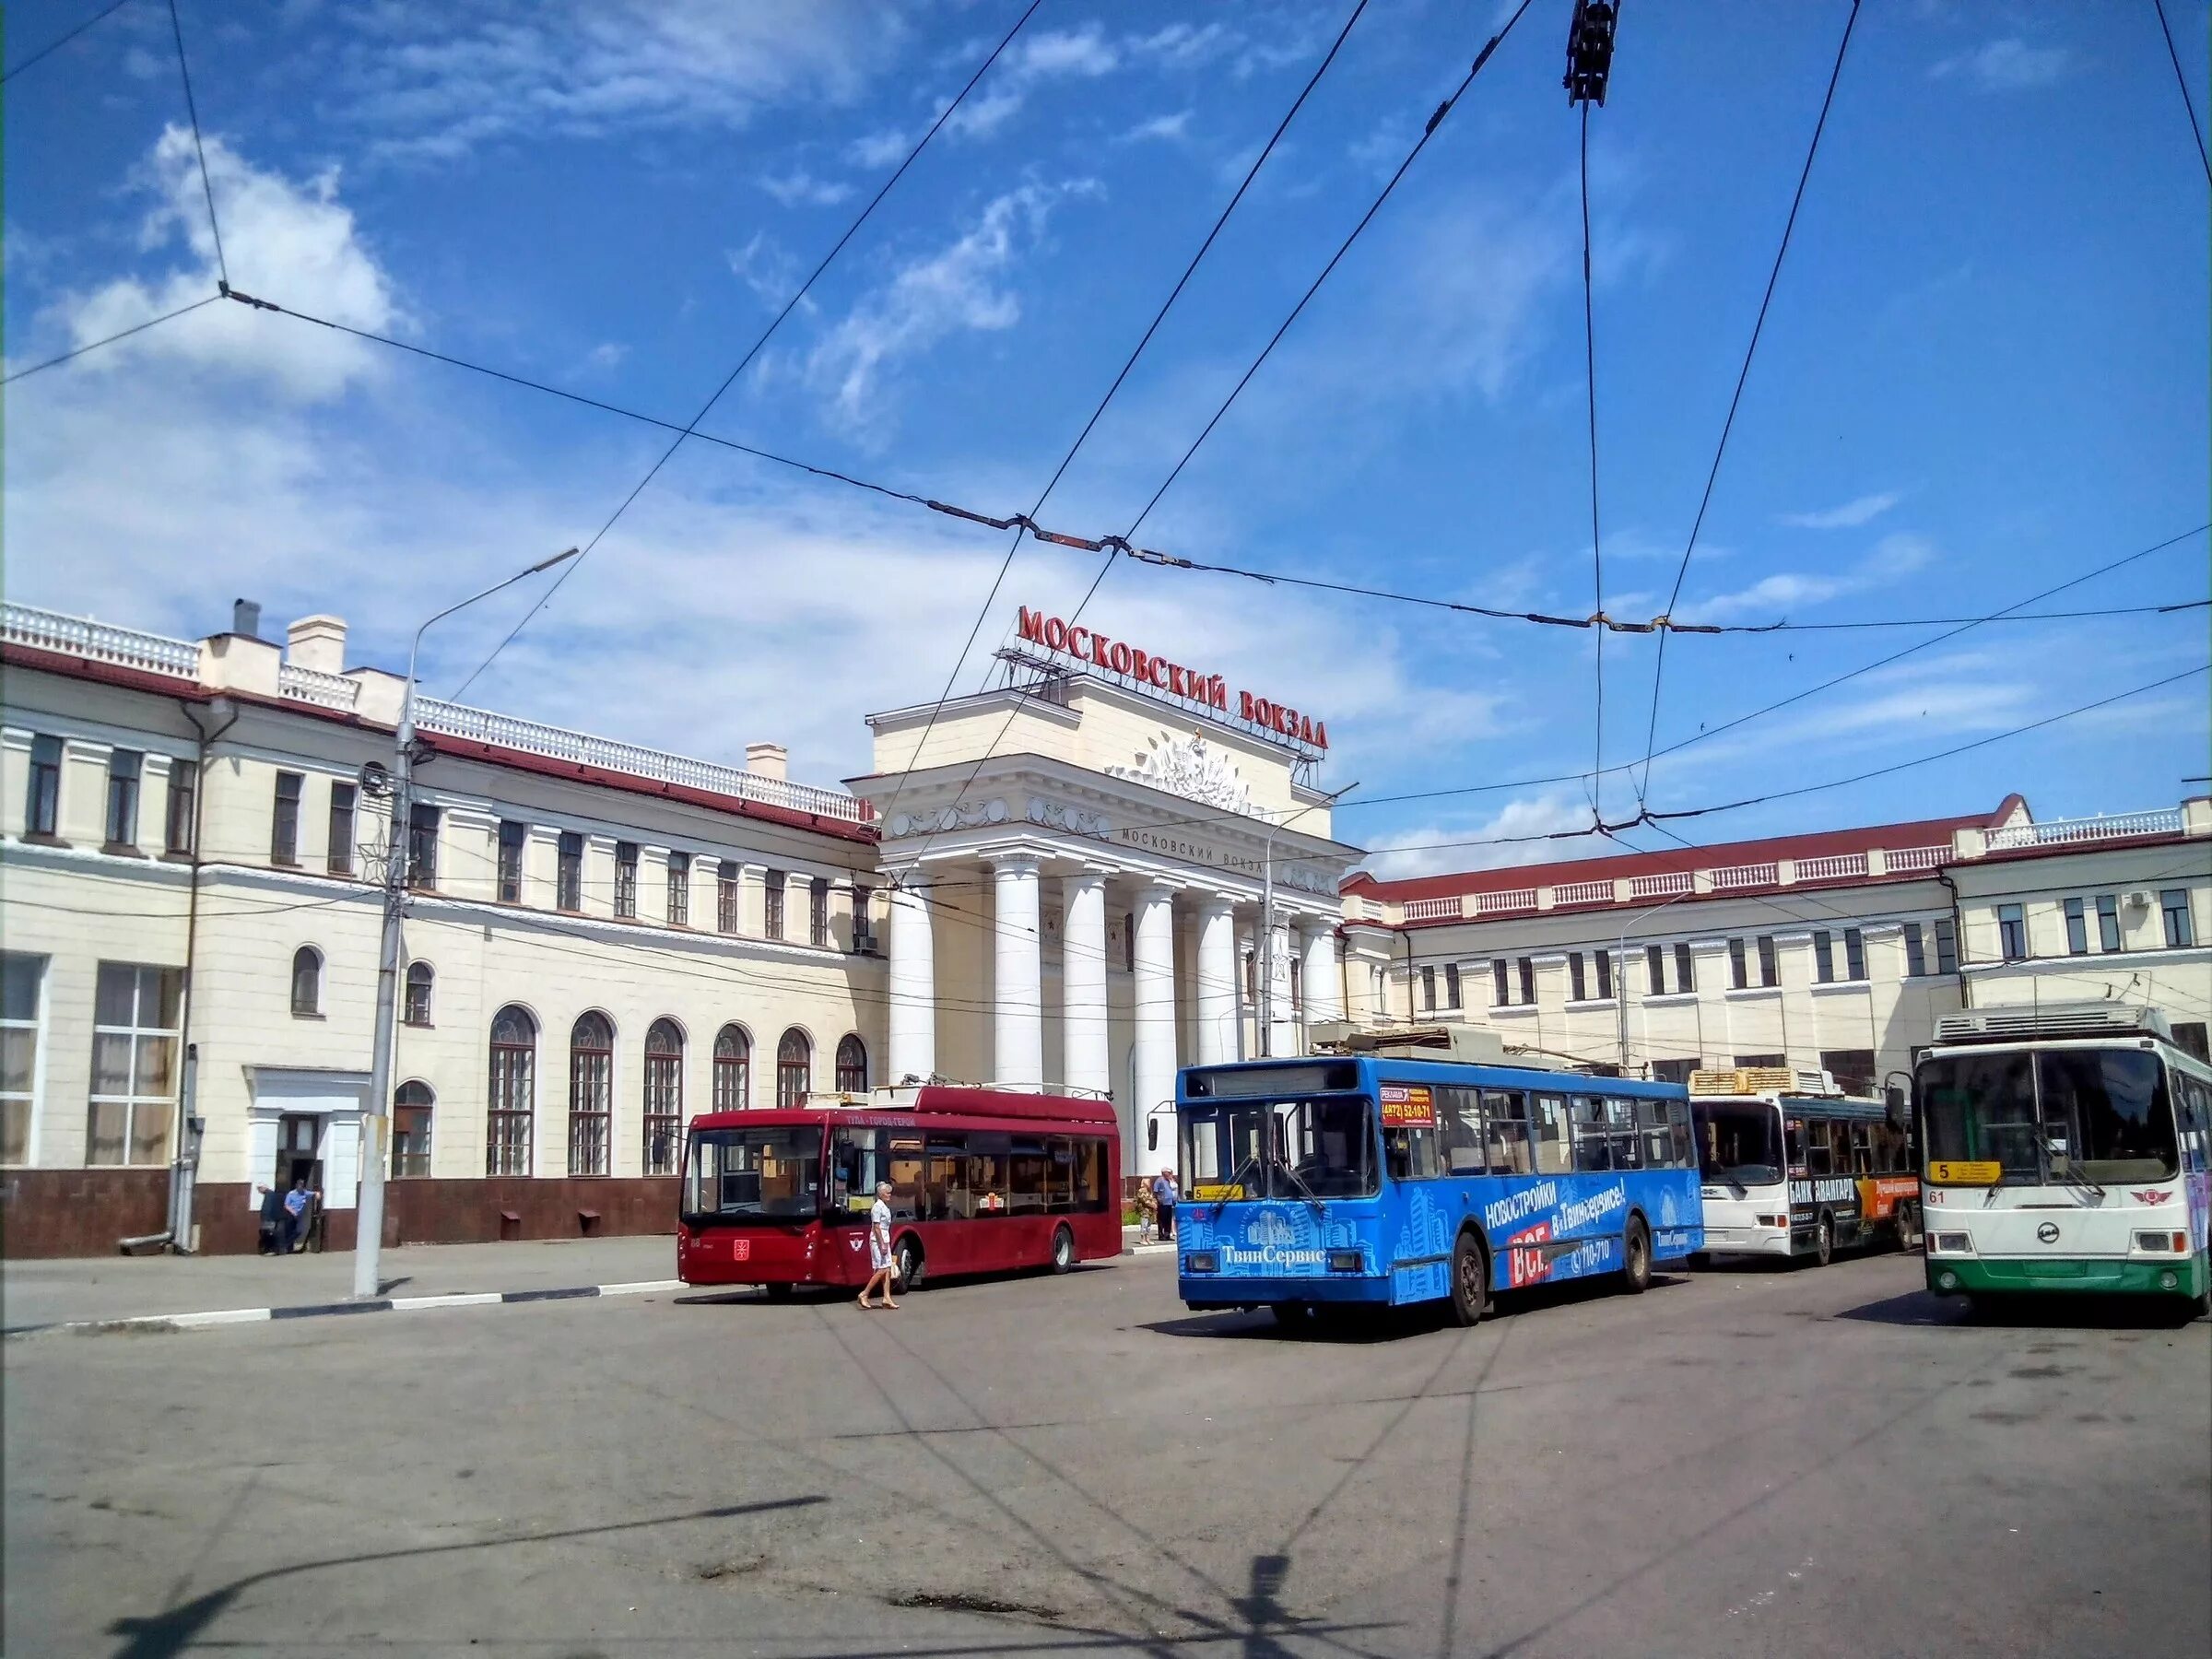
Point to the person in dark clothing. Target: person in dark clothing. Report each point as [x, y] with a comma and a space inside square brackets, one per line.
[299, 1207]
[272, 1220]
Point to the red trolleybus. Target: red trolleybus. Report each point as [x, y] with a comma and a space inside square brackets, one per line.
[982, 1181]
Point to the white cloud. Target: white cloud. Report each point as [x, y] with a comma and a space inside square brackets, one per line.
[289, 242]
[1458, 843]
[957, 288]
[607, 354]
[878, 149]
[1781, 597]
[799, 186]
[2007, 66]
[1847, 517]
[767, 267]
[1169, 128]
[1080, 53]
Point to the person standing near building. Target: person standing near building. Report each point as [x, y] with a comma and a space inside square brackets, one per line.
[1148, 1213]
[1164, 1196]
[296, 1204]
[880, 1266]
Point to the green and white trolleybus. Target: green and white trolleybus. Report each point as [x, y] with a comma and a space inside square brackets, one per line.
[2064, 1150]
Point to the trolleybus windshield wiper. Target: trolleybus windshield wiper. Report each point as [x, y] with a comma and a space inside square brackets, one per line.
[1235, 1184]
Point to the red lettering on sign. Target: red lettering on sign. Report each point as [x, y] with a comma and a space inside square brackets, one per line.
[1030, 625]
[1140, 664]
[1117, 657]
[1177, 679]
[1055, 635]
[1246, 708]
[1097, 649]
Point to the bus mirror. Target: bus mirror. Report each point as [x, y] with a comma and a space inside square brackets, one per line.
[1152, 1136]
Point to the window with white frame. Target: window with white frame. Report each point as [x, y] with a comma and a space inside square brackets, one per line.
[136, 1021]
[2174, 904]
[22, 977]
[43, 799]
[124, 769]
[2012, 933]
[307, 982]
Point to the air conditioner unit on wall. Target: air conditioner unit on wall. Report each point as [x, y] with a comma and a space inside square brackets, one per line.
[2138, 901]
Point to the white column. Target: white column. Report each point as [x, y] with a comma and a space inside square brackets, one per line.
[1322, 985]
[1085, 1061]
[1217, 980]
[1155, 1030]
[913, 985]
[1017, 1022]
[1282, 1019]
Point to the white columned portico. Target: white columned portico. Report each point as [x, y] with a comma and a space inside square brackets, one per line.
[912, 986]
[1217, 980]
[1322, 985]
[1154, 1025]
[1085, 1061]
[1282, 1017]
[1017, 1018]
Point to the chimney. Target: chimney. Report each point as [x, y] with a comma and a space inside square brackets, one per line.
[317, 642]
[245, 618]
[768, 760]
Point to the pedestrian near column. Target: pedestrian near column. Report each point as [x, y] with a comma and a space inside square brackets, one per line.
[1165, 1195]
[1148, 1213]
[881, 1265]
[296, 1206]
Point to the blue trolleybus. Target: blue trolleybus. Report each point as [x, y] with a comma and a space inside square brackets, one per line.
[1314, 1186]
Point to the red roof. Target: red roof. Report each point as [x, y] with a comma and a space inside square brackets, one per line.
[1921, 832]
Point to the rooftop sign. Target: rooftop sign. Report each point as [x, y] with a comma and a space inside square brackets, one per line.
[1087, 644]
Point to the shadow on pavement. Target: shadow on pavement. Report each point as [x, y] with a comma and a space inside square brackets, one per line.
[2062, 1312]
[1360, 1324]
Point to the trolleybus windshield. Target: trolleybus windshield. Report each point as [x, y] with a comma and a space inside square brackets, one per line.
[1742, 1143]
[1318, 1147]
[2075, 1115]
[748, 1174]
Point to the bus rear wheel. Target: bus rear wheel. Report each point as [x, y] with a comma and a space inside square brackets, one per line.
[1908, 1224]
[1470, 1281]
[1636, 1271]
[1824, 1241]
[911, 1265]
[1063, 1250]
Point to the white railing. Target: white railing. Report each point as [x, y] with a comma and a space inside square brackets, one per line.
[312, 684]
[80, 636]
[1430, 910]
[1834, 866]
[1513, 899]
[1915, 858]
[1659, 886]
[1744, 876]
[1583, 892]
[2059, 831]
[483, 726]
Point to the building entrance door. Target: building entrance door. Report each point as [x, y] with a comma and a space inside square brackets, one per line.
[298, 1134]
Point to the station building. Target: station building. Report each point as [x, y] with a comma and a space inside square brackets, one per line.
[1108, 865]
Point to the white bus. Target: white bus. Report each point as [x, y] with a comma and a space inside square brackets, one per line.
[2065, 1151]
[1792, 1166]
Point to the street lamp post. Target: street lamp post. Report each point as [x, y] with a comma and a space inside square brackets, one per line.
[368, 1213]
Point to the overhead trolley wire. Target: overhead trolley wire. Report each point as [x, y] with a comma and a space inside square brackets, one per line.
[1597, 557]
[55, 45]
[692, 426]
[121, 333]
[191, 109]
[2181, 80]
[1743, 376]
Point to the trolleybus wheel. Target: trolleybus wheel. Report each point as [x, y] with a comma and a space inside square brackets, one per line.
[1470, 1280]
[1824, 1240]
[1636, 1275]
[910, 1267]
[1063, 1250]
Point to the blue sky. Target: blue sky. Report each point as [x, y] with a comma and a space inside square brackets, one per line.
[1984, 372]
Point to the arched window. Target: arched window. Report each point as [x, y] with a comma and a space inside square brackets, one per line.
[591, 1093]
[733, 1068]
[421, 976]
[411, 1104]
[514, 1093]
[795, 1063]
[664, 1095]
[852, 1066]
[307, 981]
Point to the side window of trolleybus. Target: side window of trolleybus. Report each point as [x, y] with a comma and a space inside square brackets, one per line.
[1552, 1155]
[1591, 1150]
[1506, 1111]
[1460, 1111]
[1620, 1114]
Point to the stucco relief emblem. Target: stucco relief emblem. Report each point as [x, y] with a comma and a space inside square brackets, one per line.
[1192, 768]
[1058, 815]
[969, 817]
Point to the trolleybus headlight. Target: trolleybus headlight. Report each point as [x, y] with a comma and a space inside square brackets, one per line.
[1947, 1280]
[1951, 1243]
[1345, 1260]
[2168, 1281]
[1202, 1261]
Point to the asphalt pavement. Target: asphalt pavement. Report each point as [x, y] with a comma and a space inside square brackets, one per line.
[1817, 1462]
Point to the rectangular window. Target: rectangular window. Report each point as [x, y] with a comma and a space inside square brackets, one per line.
[1759, 1062]
[1851, 1068]
[1739, 968]
[1499, 972]
[2012, 933]
[1685, 973]
[626, 878]
[568, 877]
[2191, 1035]
[20, 978]
[1947, 947]
[1769, 968]
[134, 1028]
[1427, 990]
[422, 845]
[864, 921]
[1451, 982]
[679, 890]
[817, 912]
[124, 767]
[513, 838]
[1575, 986]
[1605, 976]
[726, 896]
[1824, 957]
[2108, 922]
[1655, 970]
[771, 908]
[183, 798]
[284, 826]
[1528, 983]
[43, 805]
[340, 858]
[2078, 928]
[1917, 951]
[1674, 1071]
[1855, 954]
[2174, 904]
